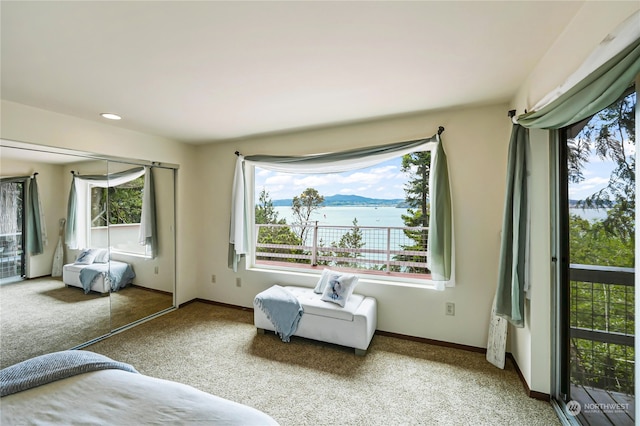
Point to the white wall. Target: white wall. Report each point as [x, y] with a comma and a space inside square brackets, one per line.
[27, 124]
[531, 345]
[475, 140]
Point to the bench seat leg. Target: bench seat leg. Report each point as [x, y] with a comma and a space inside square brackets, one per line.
[360, 352]
[260, 330]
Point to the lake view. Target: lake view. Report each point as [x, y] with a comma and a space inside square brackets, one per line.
[387, 216]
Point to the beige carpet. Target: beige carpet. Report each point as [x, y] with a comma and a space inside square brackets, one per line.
[43, 315]
[399, 382]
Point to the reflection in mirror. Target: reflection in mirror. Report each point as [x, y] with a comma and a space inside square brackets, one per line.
[39, 313]
[146, 253]
[73, 290]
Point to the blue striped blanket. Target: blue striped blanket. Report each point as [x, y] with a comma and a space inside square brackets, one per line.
[282, 308]
[48, 368]
[117, 274]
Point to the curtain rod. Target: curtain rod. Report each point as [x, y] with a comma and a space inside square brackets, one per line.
[512, 113]
[440, 130]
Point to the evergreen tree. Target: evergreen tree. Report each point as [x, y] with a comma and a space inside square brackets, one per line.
[266, 214]
[350, 240]
[418, 164]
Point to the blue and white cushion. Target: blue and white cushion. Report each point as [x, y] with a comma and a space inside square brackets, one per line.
[339, 287]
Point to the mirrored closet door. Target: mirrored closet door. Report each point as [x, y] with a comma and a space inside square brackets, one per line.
[141, 240]
[88, 244]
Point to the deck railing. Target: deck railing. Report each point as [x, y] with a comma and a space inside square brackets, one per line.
[602, 318]
[11, 254]
[374, 248]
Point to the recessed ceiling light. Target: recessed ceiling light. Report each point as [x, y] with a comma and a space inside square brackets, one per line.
[110, 116]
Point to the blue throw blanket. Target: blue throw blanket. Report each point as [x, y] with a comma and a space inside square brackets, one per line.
[282, 308]
[48, 368]
[117, 274]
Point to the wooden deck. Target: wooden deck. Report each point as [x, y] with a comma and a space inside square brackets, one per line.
[601, 407]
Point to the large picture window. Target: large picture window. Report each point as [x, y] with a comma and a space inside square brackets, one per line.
[373, 220]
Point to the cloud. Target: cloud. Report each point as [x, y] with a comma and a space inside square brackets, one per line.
[587, 187]
[311, 181]
[360, 177]
[596, 180]
[278, 179]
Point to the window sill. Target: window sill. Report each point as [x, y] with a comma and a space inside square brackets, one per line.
[130, 254]
[315, 272]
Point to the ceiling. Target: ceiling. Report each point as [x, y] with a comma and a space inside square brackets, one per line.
[208, 71]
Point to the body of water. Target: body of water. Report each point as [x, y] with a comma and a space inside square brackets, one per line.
[589, 214]
[343, 216]
[388, 216]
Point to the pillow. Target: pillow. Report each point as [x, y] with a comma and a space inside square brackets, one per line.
[339, 287]
[86, 257]
[102, 256]
[324, 279]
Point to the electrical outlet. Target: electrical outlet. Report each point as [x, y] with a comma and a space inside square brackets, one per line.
[155, 270]
[451, 308]
[238, 282]
[213, 279]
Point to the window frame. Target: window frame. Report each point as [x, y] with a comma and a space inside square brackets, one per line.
[316, 271]
[144, 251]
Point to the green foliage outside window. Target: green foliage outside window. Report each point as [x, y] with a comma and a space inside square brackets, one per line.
[117, 205]
[608, 308]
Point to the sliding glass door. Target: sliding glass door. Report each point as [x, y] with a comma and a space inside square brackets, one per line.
[595, 294]
[12, 208]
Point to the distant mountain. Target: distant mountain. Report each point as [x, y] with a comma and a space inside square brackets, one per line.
[349, 200]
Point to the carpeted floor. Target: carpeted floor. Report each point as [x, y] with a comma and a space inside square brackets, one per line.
[399, 382]
[43, 315]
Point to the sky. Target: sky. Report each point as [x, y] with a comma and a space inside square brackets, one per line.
[597, 173]
[384, 180]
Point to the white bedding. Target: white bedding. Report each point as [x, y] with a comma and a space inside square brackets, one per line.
[119, 397]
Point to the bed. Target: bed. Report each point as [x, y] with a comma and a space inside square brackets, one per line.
[100, 277]
[82, 387]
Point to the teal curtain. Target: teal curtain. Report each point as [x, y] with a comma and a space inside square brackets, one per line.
[596, 92]
[34, 225]
[513, 249]
[354, 156]
[34, 241]
[440, 218]
[588, 96]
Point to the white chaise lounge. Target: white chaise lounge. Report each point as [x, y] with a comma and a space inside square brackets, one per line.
[352, 325]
